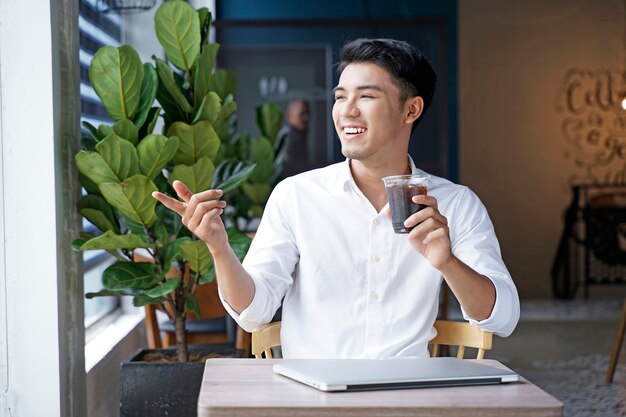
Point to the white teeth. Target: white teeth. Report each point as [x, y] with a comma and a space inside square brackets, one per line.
[353, 129]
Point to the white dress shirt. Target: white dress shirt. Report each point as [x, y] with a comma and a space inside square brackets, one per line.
[353, 288]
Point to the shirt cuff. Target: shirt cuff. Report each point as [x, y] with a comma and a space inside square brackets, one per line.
[505, 313]
[246, 319]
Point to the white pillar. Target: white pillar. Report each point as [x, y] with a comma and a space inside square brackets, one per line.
[41, 318]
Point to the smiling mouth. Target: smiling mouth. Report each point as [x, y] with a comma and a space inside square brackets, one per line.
[354, 130]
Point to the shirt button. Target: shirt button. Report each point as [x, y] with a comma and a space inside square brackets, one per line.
[376, 222]
[375, 258]
[374, 295]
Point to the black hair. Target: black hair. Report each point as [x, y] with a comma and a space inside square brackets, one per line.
[408, 67]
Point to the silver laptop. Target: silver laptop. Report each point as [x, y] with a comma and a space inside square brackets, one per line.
[377, 374]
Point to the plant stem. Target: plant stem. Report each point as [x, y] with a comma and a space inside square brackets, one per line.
[182, 353]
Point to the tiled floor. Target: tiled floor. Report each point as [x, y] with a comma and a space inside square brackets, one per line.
[564, 346]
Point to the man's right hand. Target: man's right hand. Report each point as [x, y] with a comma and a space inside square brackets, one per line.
[200, 213]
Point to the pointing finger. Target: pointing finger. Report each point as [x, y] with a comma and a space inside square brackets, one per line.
[169, 202]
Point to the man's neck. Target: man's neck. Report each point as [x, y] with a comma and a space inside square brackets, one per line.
[369, 179]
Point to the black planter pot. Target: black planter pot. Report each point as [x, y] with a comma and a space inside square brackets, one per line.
[151, 389]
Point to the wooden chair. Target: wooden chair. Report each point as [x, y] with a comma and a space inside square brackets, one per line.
[449, 333]
[461, 334]
[617, 346]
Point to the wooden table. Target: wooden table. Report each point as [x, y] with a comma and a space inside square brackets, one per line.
[249, 387]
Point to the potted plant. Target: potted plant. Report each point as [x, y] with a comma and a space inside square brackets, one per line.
[157, 260]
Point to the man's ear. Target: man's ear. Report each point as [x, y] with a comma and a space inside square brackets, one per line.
[414, 108]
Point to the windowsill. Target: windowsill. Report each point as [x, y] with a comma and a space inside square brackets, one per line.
[107, 339]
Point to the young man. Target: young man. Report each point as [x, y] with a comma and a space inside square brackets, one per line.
[325, 248]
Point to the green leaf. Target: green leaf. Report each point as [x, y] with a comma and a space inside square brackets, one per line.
[167, 80]
[130, 276]
[90, 186]
[171, 251]
[177, 27]
[141, 300]
[99, 218]
[148, 94]
[105, 130]
[223, 83]
[204, 71]
[209, 109]
[126, 129]
[148, 126]
[116, 75]
[93, 167]
[257, 193]
[197, 177]
[120, 155]
[109, 240]
[208, 277]
[197, 254]
[155, 151]
[230, 174]
[192, 305]
[269, 118]
[163, 288]
[262, 154]
[239, 242]
[133, 197]
[92, 131]
[205, 24]
[77, 243]
[196, 141]
[104, 293]
[228, 108]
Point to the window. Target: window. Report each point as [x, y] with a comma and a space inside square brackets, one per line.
[96, 30]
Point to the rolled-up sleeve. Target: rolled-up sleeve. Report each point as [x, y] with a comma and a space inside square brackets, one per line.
[270, 261]
[475, 243]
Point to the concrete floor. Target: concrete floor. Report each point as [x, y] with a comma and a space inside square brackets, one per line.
[564, 346]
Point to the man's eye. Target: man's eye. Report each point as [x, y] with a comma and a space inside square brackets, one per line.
[366, 96]
[339, 98]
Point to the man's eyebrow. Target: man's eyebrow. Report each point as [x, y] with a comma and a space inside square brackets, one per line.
[360, 87]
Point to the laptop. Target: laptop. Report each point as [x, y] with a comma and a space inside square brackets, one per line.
[379, 374]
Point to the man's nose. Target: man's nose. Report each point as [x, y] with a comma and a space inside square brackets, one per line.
[350, 109]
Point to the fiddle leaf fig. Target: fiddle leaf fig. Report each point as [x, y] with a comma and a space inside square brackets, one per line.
[269, 118]
[209, 109]
[196, 141]
[223, 83]
[198, 255]
[120, 155]
[130, 276]
[126, 129]
[148, 94]
[110, 240]
[163, 288]
[95, 209]
[155, 151]
[262, 153]
[133, 197]
[177, 27]
[197, 177]
[93, 167]
[168, 81]
[116, 75]
[204, 71]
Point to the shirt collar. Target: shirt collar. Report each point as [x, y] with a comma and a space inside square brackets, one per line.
[345, 175]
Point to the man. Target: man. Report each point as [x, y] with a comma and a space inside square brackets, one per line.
[297, 116]
[351, 287]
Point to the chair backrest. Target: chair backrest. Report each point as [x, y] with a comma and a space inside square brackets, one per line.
[450, 333]
[461, 334]
[264, 339]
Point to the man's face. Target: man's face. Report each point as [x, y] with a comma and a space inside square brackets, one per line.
[298, 115]
[368, 115]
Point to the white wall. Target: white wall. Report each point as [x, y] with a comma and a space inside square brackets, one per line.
[43, 369]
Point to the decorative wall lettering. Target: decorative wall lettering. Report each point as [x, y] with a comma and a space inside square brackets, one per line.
[594, 124]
